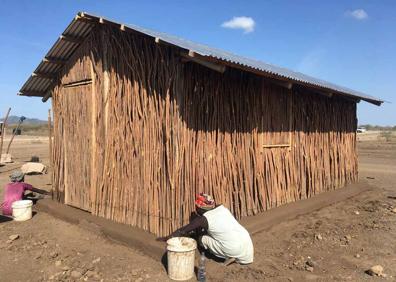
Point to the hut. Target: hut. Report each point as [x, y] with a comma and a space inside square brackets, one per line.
[143, 121]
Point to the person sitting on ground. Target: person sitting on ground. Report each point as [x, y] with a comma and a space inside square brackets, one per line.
[15, 191]
[224, 236]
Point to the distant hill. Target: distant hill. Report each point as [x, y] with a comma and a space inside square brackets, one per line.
[15, 119]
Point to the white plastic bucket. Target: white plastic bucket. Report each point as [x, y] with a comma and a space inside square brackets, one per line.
[22, 210]
[181, 258]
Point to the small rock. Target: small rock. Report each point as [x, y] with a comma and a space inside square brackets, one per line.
[147, 276]
[134, 273]
[318, 237]
[58, 263]
[394, 210]
[376, 270]
[75, 274]
[348, 237]
[53, 255]
[357, 256]
[65, 268]
[96, 260]
[311, 263]
[12, 238]
[357, 213]
[309, 268]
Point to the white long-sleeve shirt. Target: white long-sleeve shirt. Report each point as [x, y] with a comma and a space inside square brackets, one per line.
[233, 239]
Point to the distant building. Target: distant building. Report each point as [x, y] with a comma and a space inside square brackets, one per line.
[143, 121]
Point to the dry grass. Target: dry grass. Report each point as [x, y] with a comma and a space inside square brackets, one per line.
[30, 129]
[388, 136]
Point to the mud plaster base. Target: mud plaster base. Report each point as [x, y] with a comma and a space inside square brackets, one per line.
[146, 243]
[265, 220]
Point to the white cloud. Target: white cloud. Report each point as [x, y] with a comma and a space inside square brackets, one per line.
[245, 23]
[358, 14]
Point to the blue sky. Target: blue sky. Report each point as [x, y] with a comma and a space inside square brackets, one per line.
[350, 43]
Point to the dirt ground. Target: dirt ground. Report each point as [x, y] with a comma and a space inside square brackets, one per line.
[336, 243]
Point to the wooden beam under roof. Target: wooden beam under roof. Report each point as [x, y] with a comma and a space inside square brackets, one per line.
[192, 57]
[48, 93]
[71, 39]
[281, 83]
[46, 96]
[44, 75]
[55, 61]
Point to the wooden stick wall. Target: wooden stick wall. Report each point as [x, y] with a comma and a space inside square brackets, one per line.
[72, 147]
[161, 131]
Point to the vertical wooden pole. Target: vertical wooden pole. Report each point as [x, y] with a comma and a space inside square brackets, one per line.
[65, 143]
[92, 200]
[50, 148]
[290, 97]
[106, 81]
[106, 89]
[3, 129]
[50, 136]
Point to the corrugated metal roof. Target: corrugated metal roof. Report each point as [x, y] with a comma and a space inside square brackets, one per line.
[82, 24]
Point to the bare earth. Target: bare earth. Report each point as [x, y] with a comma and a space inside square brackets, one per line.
[336, 243]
